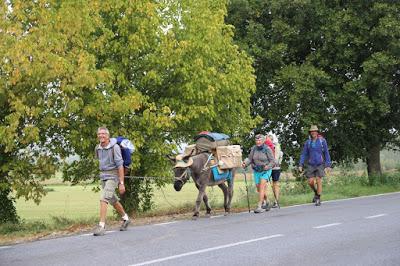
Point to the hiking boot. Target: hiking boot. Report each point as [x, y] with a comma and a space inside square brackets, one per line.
[259, 210]
[318, 201]
[275, 205]
[266, 207]
[124, 225]
[99, 231]
[315, 198]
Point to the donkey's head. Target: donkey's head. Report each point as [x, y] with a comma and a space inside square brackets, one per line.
[181, 170]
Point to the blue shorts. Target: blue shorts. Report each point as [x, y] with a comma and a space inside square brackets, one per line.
[262, 175]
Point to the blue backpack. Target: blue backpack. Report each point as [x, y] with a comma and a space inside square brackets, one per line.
[127, 149]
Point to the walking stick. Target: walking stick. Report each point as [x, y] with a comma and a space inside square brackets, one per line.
[247, 189]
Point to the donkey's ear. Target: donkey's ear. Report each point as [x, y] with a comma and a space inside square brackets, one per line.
[171, 158]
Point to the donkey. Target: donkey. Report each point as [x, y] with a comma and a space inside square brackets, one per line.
[196, 167]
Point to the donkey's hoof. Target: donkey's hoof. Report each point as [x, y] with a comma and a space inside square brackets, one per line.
[195, 217]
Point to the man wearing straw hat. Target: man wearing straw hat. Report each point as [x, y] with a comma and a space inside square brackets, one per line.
[316, 154]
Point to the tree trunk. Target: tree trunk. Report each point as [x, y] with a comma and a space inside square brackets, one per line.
[8, 213]
[374, 159]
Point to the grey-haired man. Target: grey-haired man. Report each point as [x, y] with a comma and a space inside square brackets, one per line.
[112, 176]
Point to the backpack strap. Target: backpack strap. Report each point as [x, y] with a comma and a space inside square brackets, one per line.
[309, 144]
[320, 140]
[322, 146]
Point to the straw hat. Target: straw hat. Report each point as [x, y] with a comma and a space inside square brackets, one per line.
[313, 128]
[181, 163]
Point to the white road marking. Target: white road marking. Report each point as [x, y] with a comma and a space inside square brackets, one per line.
[363, 197]
[339, 200]
[326, 225]
[107, 232]
[217, 216]
[4, 247]
[166, 223]
[206, 250]
[375, 216]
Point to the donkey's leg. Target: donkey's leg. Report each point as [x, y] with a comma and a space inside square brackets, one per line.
[205, 200]
[230, 194]
[224, 189]
[208, 207]
[202, 190]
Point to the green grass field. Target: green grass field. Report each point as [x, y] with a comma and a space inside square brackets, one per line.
[79, 202]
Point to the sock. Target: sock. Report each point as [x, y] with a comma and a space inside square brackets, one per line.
[125, 217]
[264, 202]
[102, 224]
[315, 191]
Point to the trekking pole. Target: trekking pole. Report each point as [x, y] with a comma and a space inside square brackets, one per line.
[247, 189]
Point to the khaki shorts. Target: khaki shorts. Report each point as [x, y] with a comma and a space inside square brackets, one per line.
[108, 193]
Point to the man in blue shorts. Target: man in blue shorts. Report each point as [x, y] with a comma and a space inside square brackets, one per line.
[261, 160]
[316, 154]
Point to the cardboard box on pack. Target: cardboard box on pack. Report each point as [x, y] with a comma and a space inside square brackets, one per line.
[229, 156]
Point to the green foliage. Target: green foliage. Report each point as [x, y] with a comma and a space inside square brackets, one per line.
[138, 196]
[155, 72]
[330, 63]
[8, 212]
[392, 179]
[46, 70]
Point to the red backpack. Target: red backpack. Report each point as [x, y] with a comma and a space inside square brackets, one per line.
[269, 143]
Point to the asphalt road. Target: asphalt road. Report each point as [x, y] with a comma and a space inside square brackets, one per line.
[360, 231]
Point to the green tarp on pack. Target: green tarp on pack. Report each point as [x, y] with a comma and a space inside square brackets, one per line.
[209, 141]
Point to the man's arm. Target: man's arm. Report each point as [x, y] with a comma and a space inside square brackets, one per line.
[328, 162]
[303, 154]
[119, 162]
[249, 159]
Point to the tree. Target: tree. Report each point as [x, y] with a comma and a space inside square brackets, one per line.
[139, 67]
[46, 67]
[180, 58]
[331, 63]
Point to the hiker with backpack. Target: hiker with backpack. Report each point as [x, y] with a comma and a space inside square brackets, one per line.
[261, 160]
[316, 154]
[111, 165]
[276, 170]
